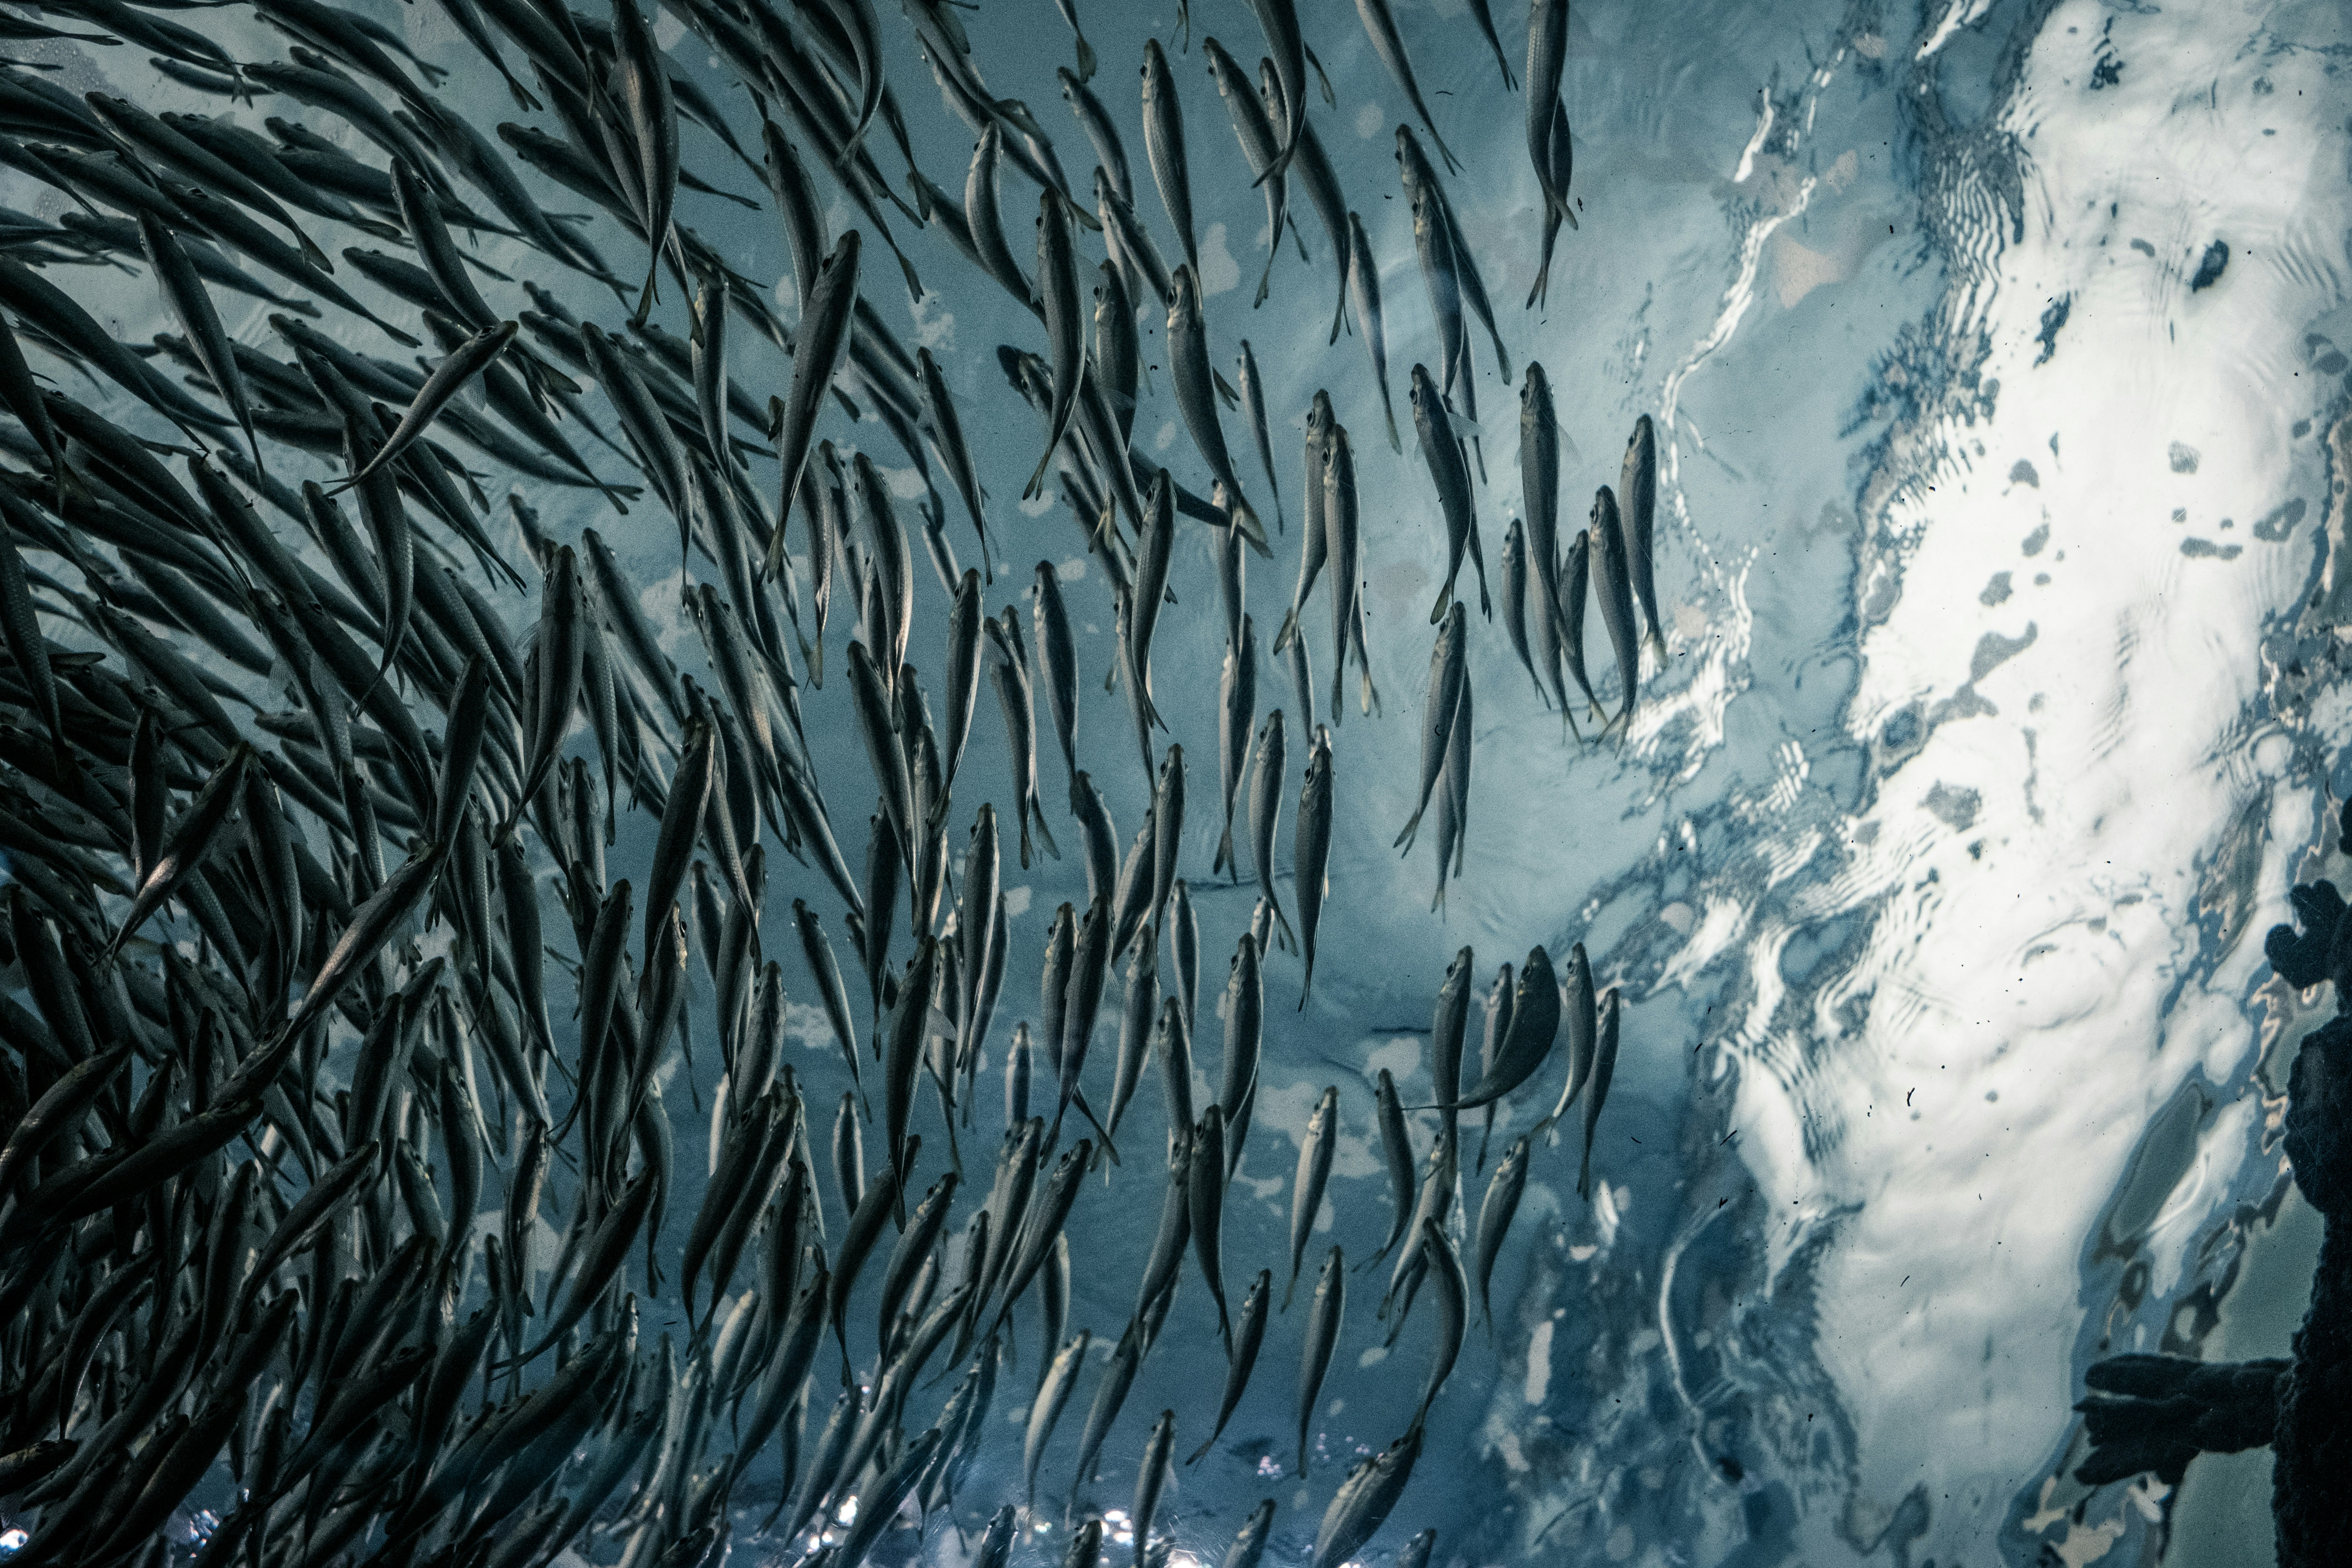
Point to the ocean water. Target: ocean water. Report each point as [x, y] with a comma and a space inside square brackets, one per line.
[2001, 547]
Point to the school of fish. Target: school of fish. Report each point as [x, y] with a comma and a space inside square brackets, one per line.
[294, 812]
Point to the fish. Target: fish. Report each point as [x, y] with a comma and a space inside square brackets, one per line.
[192, 307]
[1639, 482]
[849, 1155]
[1534, 1026]
[1084, 1550]
[1163, 143]
[1343, 535]
[1493, 1031]
[1248, 1548]
[1447, 1026]
[1243, 1011]
[1171, 1042]
[1008, 671]
[1058, 660]
[1167, 836]
[820, 346]
[986, 219]
[1365, 1499]
[1261, 149]
[1311, 851]
[1442, 451]
[1066, 339]
[1188, 348]
[1244, 1360]
[1539, 500]
[1454, 799]
[1449, 674]
[1579, 1016]
[1380, 25]
[1322, 1337]
[1237, 711]
[1396, 1152]
[1315, 1152]
[1314, 546]
[1518, 588]
[1453, 1318]
[884, 1196]
[1155, 546]
[1363, 293]
[1099, 128]
[1547, 121]
[1082, 1001]
[946, 436]
[1253, 390]
[1101, 841]
[1183, 930]
[1061, 1381]
[650, 105]
[1132, 252]
[1151, 1481]
[1266, 784]
[1605, 1067]
[1111, 1394]
[1504, 1191]
[1613, 584]
[1137, 1013]
[1204, 1202]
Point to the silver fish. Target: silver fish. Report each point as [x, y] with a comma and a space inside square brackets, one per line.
[1614, 583]
[1065, 334]
[821, 345]
[1248, 1548]
[1364, 295]
[1503, 1193]
[1639, 483]
[1188, 349]
[1311, 851]
[1396, 1152]
[1204, 1201]
[1605, 1067]
[1172, 1043]
[1448, 1026]
[1268, 782]
[1151, 1480]
[1057, 661]
[1111, 1394]
[1100, 131]
[1184, 945]
[1243, 1010]
[1314, 546]
[1253, 390]
[1579, 1016]
[947, 435]
[1365, 1498]
[1453, 800]
[1539, 500]
[1440, 449]
[1323, 1319]
[1495, 1029]
[1454, 1316]
[1518, 589]
[1449, 674]
[1101, 839]
[1380, 25]
[1261, 148]
[1535, 1024]
[1135, 1018]
[1237, 711]
[1315, 1152]
[1343, 536]
[1247, 1339]
[1163, 143]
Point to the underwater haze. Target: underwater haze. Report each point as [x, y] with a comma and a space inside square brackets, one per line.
[1996, 356]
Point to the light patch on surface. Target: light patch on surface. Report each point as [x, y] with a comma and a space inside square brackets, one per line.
[1016, 902]
[1539, 1363]
[1038, 505]
[663, 602]
[1369, 121]
[905, 484]
[1165, 436]
[1074, 570]
[1220, 273]
[668, 30]
[934, 323]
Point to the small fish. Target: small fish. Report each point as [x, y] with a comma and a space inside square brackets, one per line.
[1265, 789]
[1371, 1490]
[1440, 449]
[1503, 1193]
[1171, 1041]
[1535, 1024]
[1057, 661]
[1323, 1319]
[1101, 837]
[1315, 1152]
[1184, 945]
[1167, 833]
[1453, 1317]
[1449, 674]
[1521, 602]
[1379, 24]
[1111, 1394]
[1164, 141]
[1342, 530]
[1082, 1002]
[1137, 1015]
[1243, 1010]
[1614, 583]
[1204, 1201]
[1237, 711]
[1396, 1151]
[1605, 1067]
[1639, 483]
[947, 435]
[1155, 547]
[192, 307]
[1066, 339]
[820, 346]
[1188, 348]
[1453, 800]
[1364, 294]
[1253, 390]
[1152, 1480]
[1243, 1358]
[1539, 500]
[1099, 128]
[1491, 1036]
[1311, 851]
[1448, 1026]
[1547, 123]
[1314, 546]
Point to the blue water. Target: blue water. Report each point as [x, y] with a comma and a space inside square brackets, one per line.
[1933, 866]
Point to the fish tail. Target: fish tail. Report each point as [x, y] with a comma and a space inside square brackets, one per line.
[1584, 1173]
[1306, 986]
[1224, 854]
[1086, 60]
[1389, 409]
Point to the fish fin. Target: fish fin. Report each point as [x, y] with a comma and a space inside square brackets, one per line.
[1086, 60]
[1224, 389]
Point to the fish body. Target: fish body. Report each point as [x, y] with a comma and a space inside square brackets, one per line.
[1057, 291]
[1315, 1152]
[1196, 400]
[1247, 1339]
[1504, 1192]
[1163, 143]
[1442, 450]
[1638, 486]
[1364, 296]
[1605, 1067]
[819, 345]
[1322, 1337]
[1366, 1498]
[1449, 674]
[1237, 711]
[1311, 851]
[1613, 580]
